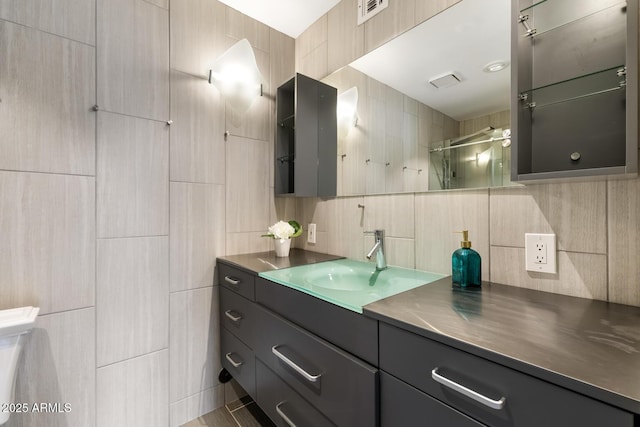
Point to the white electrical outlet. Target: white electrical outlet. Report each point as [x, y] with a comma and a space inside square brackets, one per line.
[311, 233]
[540, 252]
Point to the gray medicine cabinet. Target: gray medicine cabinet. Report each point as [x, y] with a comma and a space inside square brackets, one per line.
[574, 89]
[306, 138]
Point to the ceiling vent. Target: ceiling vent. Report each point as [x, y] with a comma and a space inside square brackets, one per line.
[369, 8]
[446, 80]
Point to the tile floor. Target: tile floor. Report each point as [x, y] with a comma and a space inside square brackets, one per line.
[241, 413]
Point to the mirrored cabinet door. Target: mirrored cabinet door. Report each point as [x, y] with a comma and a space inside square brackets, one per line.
[574, 91]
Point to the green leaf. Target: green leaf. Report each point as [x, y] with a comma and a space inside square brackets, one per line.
[296, 226]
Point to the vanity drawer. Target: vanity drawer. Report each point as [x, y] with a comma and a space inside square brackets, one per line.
[403, 405]
[347, 329]
[238, 316]
[282, 404]
[422, 362]
[239, 360]
[237, 280]
[339, 385]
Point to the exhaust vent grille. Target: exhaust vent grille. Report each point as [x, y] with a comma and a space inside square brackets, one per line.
[446, 80]
[369, 8]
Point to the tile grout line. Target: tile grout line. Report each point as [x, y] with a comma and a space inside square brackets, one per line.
[234, 418]
[35, 28]
[95, 214]
[239, 407]
[168, 306]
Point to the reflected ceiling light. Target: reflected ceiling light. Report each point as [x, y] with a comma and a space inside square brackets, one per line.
[495, 66]
[236, 75]
[347, 111]
[482, 159]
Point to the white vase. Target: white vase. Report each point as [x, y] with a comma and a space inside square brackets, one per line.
[282, 247]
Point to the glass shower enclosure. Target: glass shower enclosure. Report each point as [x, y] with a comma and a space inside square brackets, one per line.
[478, 160]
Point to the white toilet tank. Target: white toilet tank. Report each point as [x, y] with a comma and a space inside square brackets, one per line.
[15, 324]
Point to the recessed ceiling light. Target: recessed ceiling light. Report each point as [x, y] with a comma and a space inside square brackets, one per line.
[495, 66]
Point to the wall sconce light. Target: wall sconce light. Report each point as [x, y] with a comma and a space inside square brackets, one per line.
[237, 77]
[347, 111]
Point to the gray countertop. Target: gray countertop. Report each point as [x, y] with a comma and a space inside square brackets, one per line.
[592, 347]
[267, 261]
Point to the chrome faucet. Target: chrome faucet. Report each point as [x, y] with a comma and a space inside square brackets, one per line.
[378, 249]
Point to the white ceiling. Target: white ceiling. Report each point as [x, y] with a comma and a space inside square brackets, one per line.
[291, 17]
[462, 39]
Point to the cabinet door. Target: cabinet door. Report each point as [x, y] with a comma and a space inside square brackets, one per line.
[504, 397]
[282, 404]
[403, 405]
[306, 145]
[305, 173]
[574, 104]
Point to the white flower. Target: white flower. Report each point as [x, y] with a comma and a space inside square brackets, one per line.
[281, 230]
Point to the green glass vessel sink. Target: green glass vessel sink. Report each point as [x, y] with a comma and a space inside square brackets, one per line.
[349, 283]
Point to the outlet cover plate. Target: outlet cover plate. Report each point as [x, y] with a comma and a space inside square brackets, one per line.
[540, 253]
[311, 233]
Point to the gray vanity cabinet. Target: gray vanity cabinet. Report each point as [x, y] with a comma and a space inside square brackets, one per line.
[504, 397]
[306, 138]
[293, 374]
[574, 105]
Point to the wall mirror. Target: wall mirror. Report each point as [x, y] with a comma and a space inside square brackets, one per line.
[431, 106]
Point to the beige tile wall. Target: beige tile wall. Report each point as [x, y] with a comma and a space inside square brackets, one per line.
[369, 160]
[74, 18]
[111, 220]
[197, 148]
[132, 291]
[132, 191]
[58, 365]
[47, 252]
[133, 58]
[52, 111]
[138, 387]
[595, 222]
[193, 342]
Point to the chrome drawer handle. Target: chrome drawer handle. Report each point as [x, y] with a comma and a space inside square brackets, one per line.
[233, 362]
[307, 376]
[231, 280]
[494, 404]
[283, 415]
[232, 317]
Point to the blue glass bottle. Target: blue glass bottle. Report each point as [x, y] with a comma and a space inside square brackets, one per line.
[466, 264]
